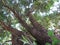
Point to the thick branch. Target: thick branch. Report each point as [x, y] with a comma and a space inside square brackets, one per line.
[16, 34]
[12, 30]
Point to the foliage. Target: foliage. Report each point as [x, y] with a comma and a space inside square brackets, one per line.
[54, 39]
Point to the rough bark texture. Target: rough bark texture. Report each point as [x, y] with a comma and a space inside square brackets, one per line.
[37, 31]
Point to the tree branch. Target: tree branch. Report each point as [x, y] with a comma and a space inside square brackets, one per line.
[23, 23]
[12, 30]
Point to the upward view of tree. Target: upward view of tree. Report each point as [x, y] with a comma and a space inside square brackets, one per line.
[22, 24]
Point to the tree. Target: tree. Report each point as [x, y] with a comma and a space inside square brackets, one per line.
[20, 11]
